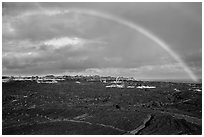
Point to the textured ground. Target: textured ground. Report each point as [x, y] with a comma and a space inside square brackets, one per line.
[90, 108]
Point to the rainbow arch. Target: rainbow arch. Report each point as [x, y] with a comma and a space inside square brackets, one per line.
[143, 31]
[124, 22]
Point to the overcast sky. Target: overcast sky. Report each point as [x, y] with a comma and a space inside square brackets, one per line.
[76, 38]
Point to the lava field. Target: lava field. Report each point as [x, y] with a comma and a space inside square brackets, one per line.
[89, 108]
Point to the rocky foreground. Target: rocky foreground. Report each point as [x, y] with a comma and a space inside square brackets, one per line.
[90, 108]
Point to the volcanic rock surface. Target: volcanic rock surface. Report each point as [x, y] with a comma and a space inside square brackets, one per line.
[84, 108]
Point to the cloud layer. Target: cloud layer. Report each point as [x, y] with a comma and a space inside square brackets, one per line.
[42, 38]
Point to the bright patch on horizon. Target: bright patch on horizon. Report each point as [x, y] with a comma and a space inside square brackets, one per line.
[146, 87]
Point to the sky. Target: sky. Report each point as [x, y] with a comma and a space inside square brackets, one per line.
[100, 39]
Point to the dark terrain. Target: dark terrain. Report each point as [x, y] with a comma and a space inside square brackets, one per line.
[91, 108]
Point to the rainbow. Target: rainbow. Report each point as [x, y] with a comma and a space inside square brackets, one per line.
[126, 23]
[143, 31]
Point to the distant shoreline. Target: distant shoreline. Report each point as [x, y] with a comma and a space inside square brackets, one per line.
[151, 80]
